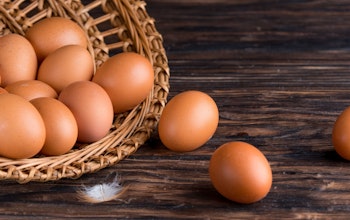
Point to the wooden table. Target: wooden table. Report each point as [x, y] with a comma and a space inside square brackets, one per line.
[279, 72]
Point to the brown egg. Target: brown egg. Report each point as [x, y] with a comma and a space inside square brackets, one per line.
[17, 59]
[31, 89]
[91, 107]
[49, 34]
[341, 134]
[66, 65]
[240, 172]
[61, 126]
[127, 78]
[188, 121]
[22, 130]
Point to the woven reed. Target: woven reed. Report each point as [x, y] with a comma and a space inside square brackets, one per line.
[112, 26]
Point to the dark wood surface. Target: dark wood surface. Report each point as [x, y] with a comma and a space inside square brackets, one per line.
[280, 74]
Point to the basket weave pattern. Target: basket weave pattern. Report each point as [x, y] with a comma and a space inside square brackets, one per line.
[118, 25]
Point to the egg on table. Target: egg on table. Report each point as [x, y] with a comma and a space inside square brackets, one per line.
[188, 121]
[240, 172]
[341, 134]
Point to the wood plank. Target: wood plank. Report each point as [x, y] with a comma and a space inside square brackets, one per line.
[279, 72]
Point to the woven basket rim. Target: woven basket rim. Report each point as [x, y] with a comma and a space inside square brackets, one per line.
[129, 28]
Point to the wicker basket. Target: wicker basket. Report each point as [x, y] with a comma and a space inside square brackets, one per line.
[112, 27]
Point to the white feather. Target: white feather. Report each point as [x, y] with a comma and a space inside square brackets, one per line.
[101, 192]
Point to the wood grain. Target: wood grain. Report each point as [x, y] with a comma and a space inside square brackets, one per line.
[279, 72]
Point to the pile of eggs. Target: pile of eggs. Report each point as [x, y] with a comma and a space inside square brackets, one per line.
[53, 97]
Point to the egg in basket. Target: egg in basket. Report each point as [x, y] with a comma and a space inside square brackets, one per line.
[119, 34]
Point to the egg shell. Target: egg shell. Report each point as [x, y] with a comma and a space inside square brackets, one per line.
[22, 130]
[18, 60]
[127, 78]
[240, 172]
[188, 121]
[91, 107]
[51, 33]
[341, 134]
[66, 65]
[60, 124]
[31, 89]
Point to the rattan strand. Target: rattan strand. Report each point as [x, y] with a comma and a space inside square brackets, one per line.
[121, 25]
